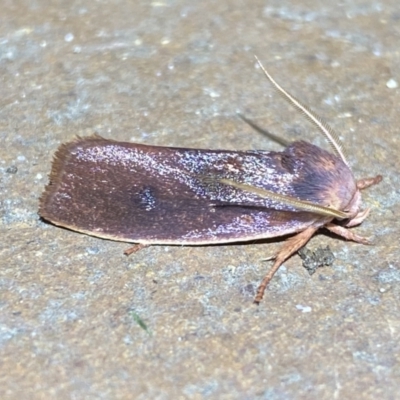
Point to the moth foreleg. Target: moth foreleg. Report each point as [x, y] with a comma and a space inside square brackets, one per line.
[345, 233]
[289, 247]
[367, 182]
[358, 218]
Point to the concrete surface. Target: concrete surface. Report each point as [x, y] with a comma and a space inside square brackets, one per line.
[79, 320]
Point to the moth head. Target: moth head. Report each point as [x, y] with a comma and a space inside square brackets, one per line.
[340, 191]
[354, 205]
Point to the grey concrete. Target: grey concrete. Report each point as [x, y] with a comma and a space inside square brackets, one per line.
[175, 73]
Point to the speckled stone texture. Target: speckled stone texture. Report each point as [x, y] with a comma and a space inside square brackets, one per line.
[79, 320]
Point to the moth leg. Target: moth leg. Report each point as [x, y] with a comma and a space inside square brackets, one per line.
[367, 182]
[289, 247]
[358, 218]
[135, 248]
[345, 233]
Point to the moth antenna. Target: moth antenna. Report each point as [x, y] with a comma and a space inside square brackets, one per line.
[283, 142]
[290, 201]
[323, 126]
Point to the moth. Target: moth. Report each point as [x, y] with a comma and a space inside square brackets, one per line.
[179, 196]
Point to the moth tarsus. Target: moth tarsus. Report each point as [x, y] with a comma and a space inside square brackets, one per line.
[135, 248]
[367, 182]
[177, 196]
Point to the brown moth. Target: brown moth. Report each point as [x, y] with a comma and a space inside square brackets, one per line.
[163, 195]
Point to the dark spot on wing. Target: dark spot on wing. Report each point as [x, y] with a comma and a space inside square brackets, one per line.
[145, 198]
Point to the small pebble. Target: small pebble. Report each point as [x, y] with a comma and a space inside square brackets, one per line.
[392, 84]
[69, 37]
[303, 309]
